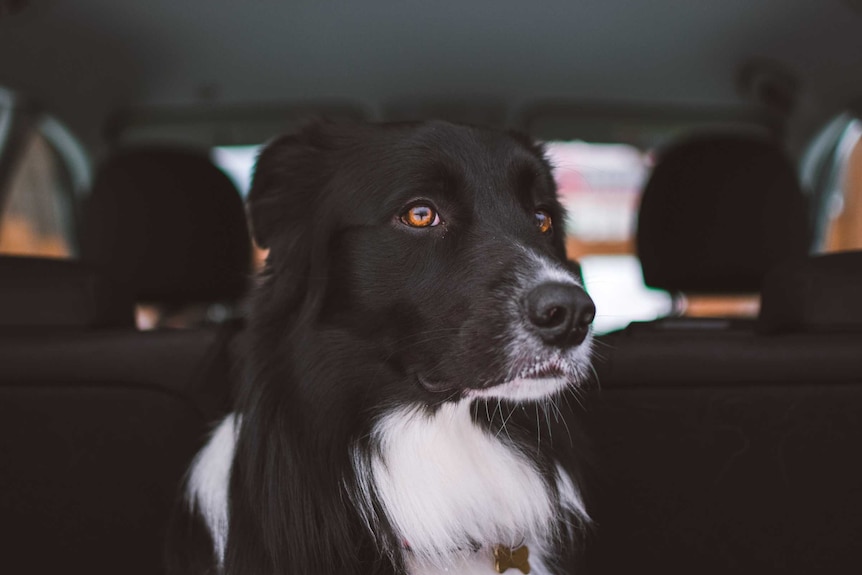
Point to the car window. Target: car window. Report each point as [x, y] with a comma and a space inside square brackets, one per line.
[600, 187]
[842, 205]
[830, 173]
[845, 231]
[36, 214]
[5, 117]
[238, 163]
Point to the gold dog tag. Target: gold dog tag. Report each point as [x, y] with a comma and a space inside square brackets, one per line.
[507, 558]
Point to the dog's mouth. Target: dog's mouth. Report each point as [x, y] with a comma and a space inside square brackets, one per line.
[529, 378]
[519, 389]
[545, 370]
[539, 380]
[536, 381]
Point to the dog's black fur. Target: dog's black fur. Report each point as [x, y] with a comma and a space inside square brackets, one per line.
[356, 313]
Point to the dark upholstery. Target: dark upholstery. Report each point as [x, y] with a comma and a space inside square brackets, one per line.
[817, 294]
[725, 478]
[190, 364]
[726, 449]
[97, 429]
[38, 292]
[168, 225]
[697, 357]
[717, 212]
[98, 421]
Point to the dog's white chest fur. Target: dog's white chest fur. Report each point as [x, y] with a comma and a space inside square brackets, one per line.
[447, 486]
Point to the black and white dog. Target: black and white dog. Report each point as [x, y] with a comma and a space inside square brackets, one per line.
[410, 343]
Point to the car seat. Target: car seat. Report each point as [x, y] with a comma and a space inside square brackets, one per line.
[98, 420]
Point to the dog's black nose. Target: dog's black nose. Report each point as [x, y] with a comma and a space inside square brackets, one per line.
[560, 313]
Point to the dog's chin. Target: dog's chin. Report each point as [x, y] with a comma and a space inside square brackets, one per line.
[531, 385]
[537, 372]
[523, 389]
[533, 375]
[536, 381]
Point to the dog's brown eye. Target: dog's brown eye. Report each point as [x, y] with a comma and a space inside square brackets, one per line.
[421, 216]
[543, 221]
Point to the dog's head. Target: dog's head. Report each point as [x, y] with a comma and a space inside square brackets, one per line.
[437, 250]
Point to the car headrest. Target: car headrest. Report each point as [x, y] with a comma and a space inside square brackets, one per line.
[815, 294]
[59, 293]
[169, 225]
[717, 212]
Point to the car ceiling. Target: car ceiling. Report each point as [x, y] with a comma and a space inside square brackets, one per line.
[87, 58]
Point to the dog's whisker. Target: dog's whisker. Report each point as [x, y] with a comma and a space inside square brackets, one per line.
[577, 399]
[550, 403]
[538, 431]
[498, 407]
[601, 343]
[505, 421]
[562, 419]
[596, 377]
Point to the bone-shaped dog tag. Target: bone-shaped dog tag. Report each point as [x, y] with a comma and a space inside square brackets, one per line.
[506, 558]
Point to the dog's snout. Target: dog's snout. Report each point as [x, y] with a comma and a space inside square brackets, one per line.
[560, 313]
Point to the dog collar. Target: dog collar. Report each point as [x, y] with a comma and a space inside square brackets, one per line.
[506, 558]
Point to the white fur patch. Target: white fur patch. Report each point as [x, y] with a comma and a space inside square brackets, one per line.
[442, 480]
[445, 483]
[209, 479]
[522, 389]
[547, 270]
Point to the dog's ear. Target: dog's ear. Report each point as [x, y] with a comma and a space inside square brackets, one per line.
[287, 176]
[535, 146]
[289, 180]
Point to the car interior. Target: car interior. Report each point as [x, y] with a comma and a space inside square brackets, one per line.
[709, 156]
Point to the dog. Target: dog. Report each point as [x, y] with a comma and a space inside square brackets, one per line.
[409, 347]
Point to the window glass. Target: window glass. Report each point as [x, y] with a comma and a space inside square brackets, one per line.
[238, 163]
[36, 213]
[844, 206]
[600, 187]
[5, 117]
